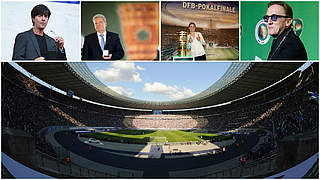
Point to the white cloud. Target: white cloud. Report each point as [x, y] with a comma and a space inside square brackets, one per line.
[182, 94]
[159, 88]
[121, 90]
[188, 92]
[177, 95]
[119, 71]
[173, 92]
[140, 68]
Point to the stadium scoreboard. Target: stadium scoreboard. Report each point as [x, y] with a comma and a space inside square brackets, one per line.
[156, 112]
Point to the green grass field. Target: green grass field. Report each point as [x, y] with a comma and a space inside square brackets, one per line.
[222, 54]
[144, 136]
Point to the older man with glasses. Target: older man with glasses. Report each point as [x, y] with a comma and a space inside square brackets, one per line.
[286, 45]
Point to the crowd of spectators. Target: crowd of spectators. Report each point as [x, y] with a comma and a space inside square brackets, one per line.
[164, 122]
[283, 109]
[226, 38]
[282, 104]
[29, 106]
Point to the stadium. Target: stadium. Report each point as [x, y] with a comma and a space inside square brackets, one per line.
[220, 28]
[259, 120]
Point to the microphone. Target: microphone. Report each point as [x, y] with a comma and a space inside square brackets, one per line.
[51, 55]
[55, 36]
[53, 32]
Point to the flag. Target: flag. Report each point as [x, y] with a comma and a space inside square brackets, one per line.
[313, 96]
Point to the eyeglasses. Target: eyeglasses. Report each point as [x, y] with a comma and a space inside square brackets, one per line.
[274, 17]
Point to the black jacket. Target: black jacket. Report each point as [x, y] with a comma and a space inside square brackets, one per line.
[26, 47]
[92, 51]
[287, 46]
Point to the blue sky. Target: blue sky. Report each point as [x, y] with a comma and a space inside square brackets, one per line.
[158, 81]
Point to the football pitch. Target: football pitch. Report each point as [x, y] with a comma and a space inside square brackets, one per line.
[222, 54]
[144, 136]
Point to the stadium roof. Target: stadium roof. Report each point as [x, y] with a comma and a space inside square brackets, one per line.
[241, 79]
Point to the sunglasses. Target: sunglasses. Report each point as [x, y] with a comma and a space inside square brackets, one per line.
[274, 17]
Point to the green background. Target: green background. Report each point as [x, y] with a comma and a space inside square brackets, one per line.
[252, 12]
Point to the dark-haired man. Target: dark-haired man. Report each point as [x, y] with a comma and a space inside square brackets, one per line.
[286, 45]
[34, 44]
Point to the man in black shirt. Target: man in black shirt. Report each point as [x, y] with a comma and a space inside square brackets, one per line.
[286, 45]
[42, 44]
[34, 44]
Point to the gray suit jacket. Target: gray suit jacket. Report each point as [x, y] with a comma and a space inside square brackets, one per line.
[26, 47]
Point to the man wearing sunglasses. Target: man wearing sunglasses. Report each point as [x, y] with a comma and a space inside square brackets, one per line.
[286, 45]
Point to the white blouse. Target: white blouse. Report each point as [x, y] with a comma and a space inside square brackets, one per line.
[196, 46]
